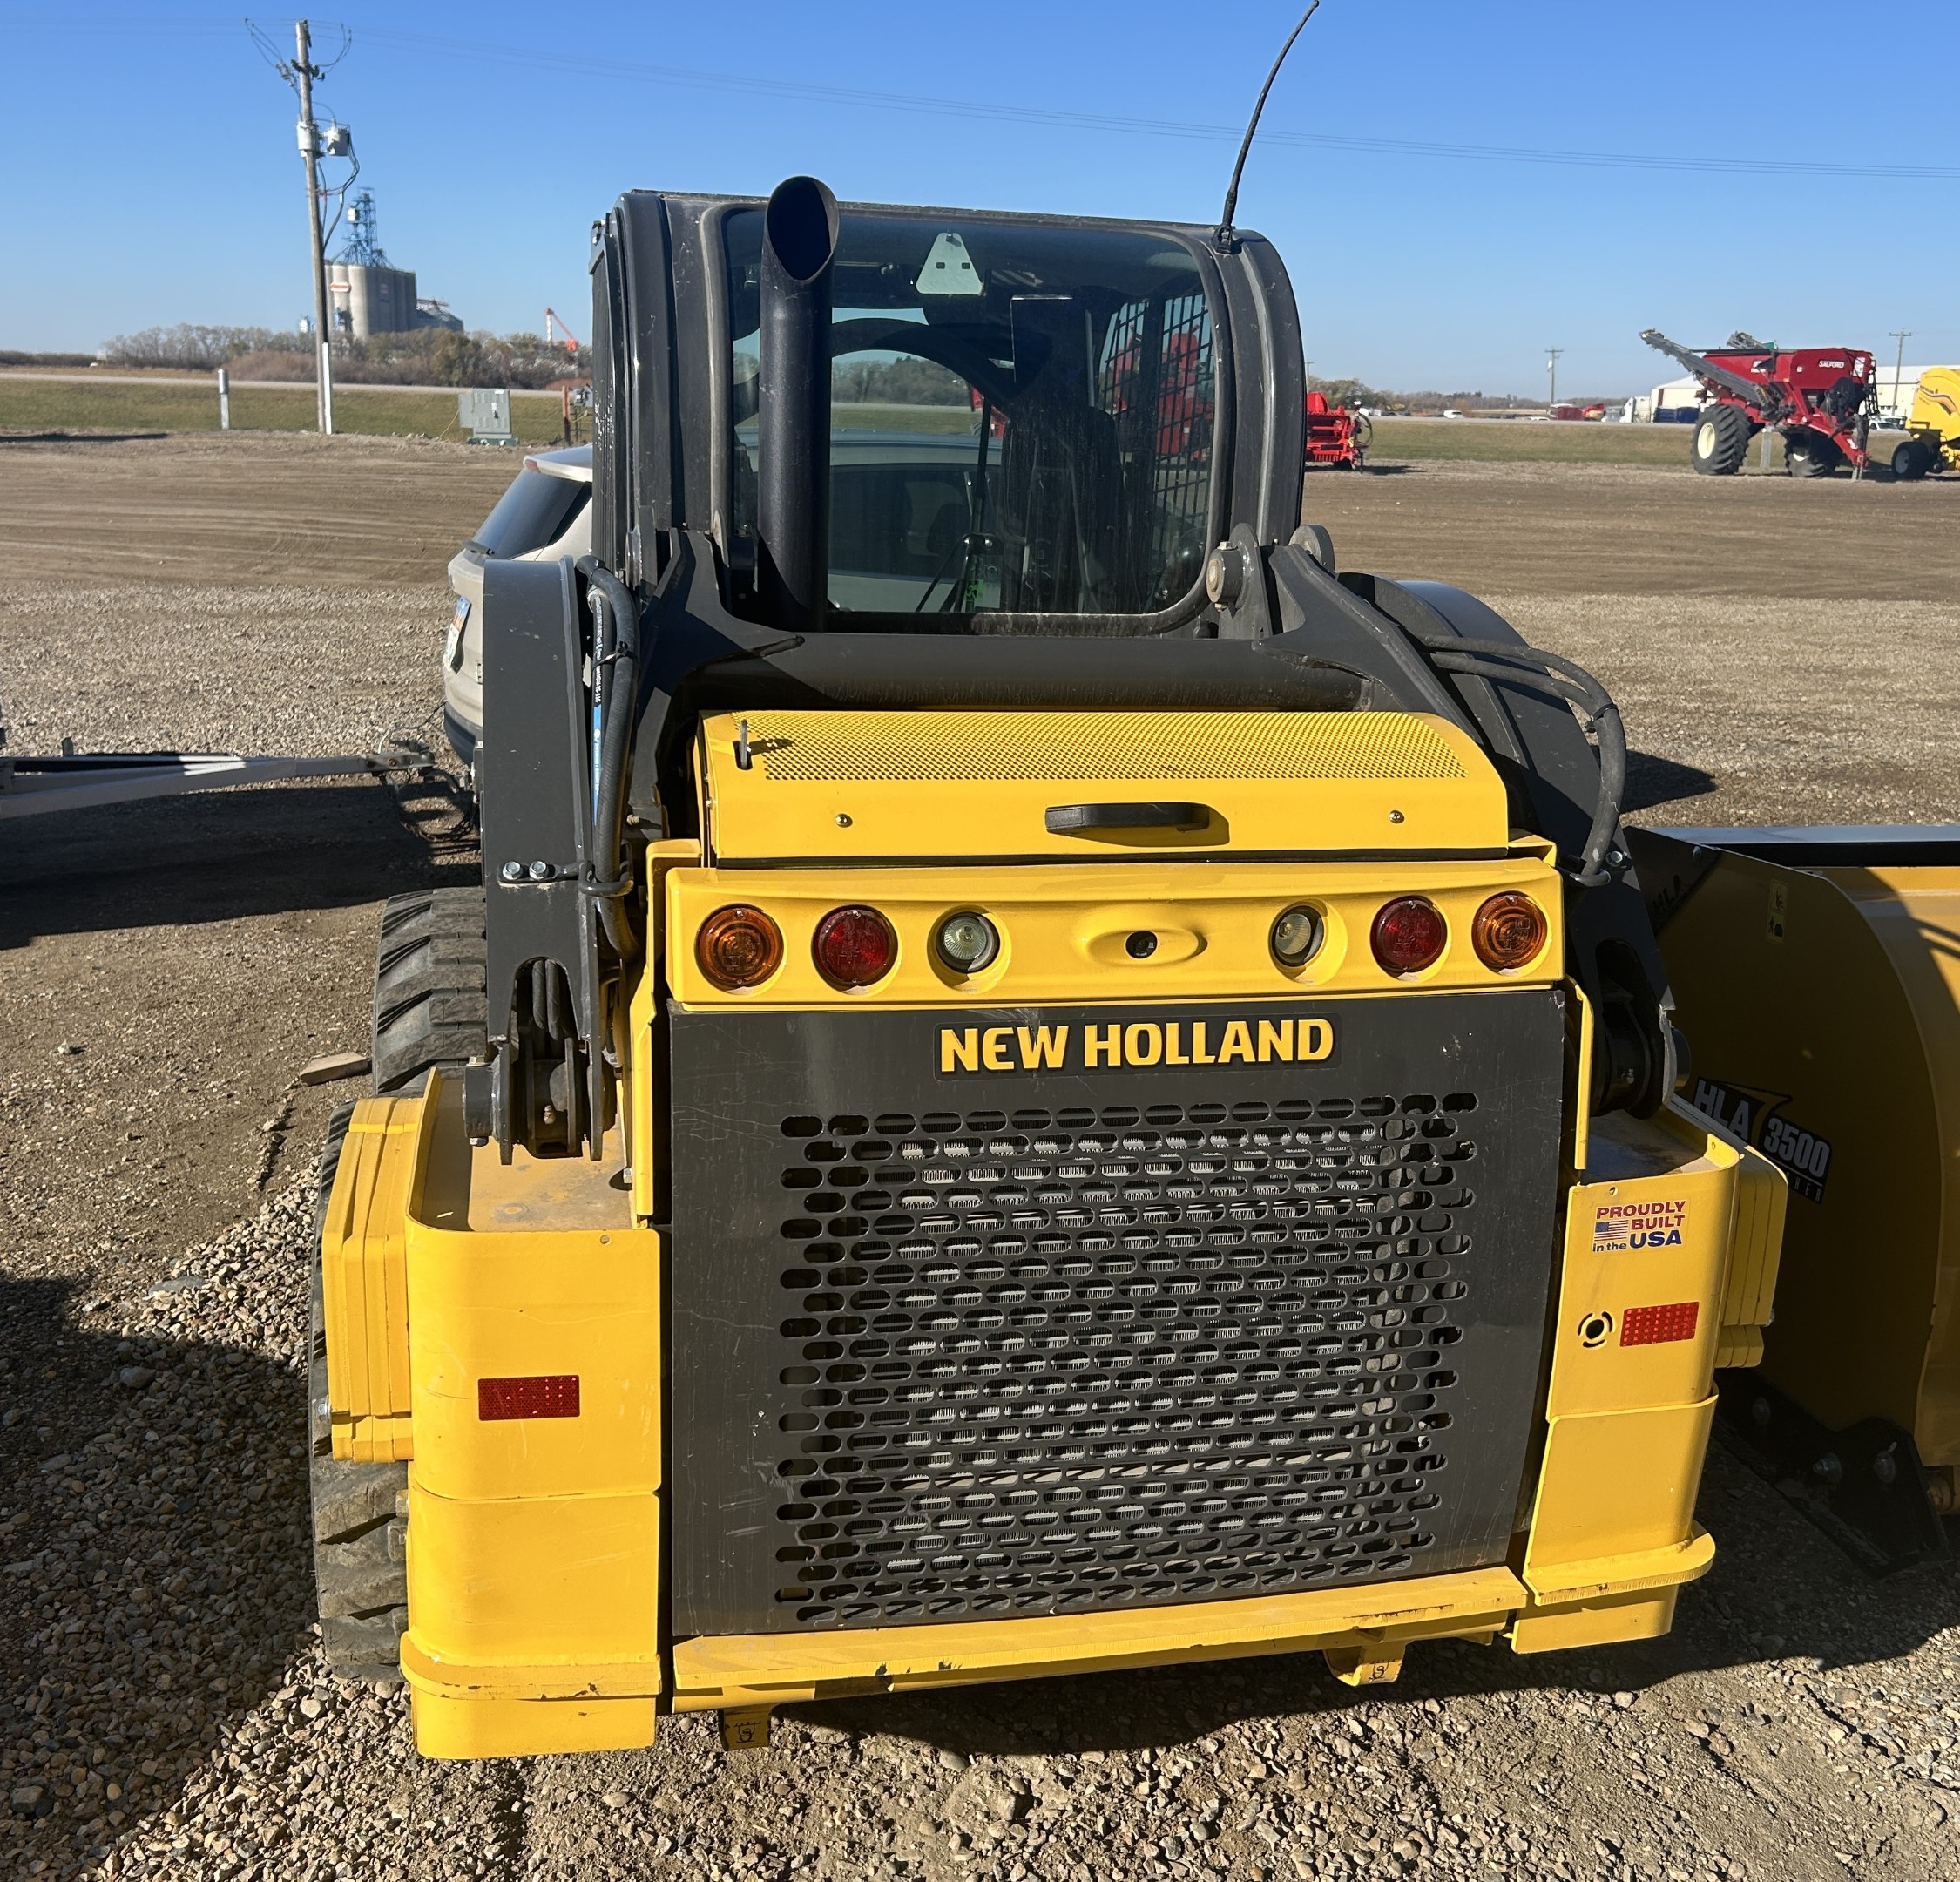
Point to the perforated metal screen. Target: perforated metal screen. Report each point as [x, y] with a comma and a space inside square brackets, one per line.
[806, 747]
[1126, 1341]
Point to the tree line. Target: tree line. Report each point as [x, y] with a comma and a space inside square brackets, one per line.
[426, 356]
[434, 356]
[900, 381]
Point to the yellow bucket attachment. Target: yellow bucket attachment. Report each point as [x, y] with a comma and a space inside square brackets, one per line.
[1817, 974]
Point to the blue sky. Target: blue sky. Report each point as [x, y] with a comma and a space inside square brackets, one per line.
[148, 173]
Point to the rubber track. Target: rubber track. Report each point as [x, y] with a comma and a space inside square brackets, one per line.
[429, 1012]
[428, 986]
[358, 1561]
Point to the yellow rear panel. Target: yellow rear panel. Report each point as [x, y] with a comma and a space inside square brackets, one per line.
[543, 1553]
[856, 785]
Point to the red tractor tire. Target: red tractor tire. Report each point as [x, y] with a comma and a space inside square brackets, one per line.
[1721, 440]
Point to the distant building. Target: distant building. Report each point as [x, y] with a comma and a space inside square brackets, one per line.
[1895, 386]
[1672, 397]
[367, 293]
[375, 299]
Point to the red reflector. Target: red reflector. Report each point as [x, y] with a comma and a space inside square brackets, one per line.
[555, 1396]
[1655, 1326]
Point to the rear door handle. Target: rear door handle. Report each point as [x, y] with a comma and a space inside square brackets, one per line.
[1064, 820]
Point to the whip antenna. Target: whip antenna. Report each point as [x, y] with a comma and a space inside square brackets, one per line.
[1238, 169]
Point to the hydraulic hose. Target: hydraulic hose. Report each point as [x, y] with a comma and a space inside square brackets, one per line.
[1500, 660]
[609, 878]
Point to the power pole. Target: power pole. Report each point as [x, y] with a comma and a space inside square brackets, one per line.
[1901, 335]
[304, 73]
[1551, 371]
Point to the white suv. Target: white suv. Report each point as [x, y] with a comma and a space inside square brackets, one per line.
[546, 513]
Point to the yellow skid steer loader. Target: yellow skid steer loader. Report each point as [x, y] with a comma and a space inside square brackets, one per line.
[1039, 1080]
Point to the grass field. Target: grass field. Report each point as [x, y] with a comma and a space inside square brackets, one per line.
[1519, 441]
[378, 411]
[383, 411]
[939, 421]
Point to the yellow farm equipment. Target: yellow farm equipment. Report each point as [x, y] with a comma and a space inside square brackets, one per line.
[1934, 423]
[1039, 1080]
[1817, 972]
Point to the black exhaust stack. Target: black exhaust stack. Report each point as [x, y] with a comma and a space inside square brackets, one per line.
[792, 414]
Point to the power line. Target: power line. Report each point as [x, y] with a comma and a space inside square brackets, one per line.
[998, 111]
[1002, 113]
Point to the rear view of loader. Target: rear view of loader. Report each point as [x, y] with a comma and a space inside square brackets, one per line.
[1060, 1087]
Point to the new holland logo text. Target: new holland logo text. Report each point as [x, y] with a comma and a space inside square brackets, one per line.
[1134, 1043]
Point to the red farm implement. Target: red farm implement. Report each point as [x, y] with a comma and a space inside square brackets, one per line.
[1335, 435]
[1820, 398]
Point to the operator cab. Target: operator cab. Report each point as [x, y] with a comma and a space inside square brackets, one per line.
[1030, 421]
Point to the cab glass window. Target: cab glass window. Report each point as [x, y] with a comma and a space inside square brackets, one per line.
[1021, 417]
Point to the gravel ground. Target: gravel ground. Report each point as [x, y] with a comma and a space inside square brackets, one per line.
[163, 1709]
[1771, 711]
[254, 507]
[169, 1716]
[309, 668]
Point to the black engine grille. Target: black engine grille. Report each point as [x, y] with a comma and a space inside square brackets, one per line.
[1056, 1362]
[1052, 1356]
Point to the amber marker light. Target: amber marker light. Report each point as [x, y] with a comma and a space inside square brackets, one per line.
[739, 946]
[854, 947]
[1408, 935]
[1508, 933]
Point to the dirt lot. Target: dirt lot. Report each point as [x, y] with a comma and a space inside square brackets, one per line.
[1633, 530]
[1782, 652]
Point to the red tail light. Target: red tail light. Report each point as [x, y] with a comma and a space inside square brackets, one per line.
[1408, 935]
[1509, 931]
[855, 947]
[738, 947]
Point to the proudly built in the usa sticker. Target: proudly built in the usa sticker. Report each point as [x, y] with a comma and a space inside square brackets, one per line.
[1625, 1225]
